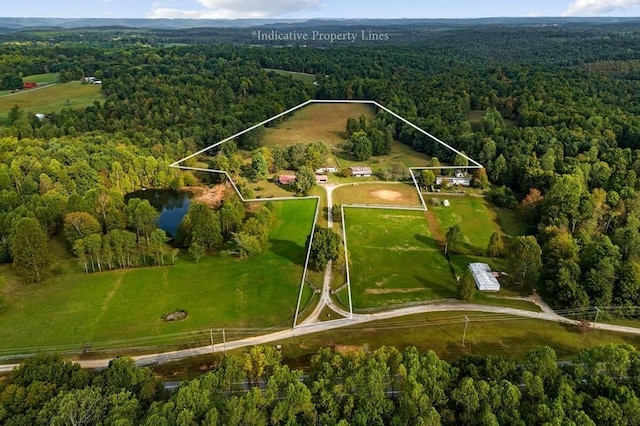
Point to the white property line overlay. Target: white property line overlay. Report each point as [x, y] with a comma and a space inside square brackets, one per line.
[475, 165]
[328, 101]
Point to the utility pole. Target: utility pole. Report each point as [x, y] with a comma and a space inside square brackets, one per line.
[595, 321]
[224, 343]
[466, 322]
[211, 333]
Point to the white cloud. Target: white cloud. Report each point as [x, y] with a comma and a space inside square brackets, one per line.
[233, 9]
[596, 7]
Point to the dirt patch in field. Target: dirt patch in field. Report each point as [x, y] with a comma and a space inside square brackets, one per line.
[385, 194]
[209, 195]
[434, 225]
[393, 290]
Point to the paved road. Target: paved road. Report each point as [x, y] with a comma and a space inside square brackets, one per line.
[336, 324]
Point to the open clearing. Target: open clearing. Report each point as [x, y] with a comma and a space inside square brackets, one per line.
[302, 76]
[48, 78]
[221, 291]
[394, 258]
[476, 220]
[377, 194]
[316, 123]
[51, 98]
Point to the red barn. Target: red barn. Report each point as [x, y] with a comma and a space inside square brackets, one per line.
[30, 85]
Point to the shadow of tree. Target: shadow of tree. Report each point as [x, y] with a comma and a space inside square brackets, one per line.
[440, 290]
[428, 241]
[289, 250]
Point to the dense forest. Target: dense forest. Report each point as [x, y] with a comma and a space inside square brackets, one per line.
[559, 133]
[340, 388]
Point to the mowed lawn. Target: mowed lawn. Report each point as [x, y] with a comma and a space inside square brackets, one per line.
[473, 215]
[220, 291]
[394, 258]
[51, 98]
[317, 123]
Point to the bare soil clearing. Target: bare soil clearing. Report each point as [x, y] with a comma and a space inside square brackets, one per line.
[385, 194]
[209, 195]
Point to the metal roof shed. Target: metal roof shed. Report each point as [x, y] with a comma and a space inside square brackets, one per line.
[484, 278]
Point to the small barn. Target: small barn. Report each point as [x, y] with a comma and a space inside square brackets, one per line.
[484, 277]
[360, 171]
[286, 179]
[322, 178]
[30, 85]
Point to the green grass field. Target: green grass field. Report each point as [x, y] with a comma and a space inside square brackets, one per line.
[51, 98]
[474, 216]
[48, 78]
[316, 123]
[220, 291]
[302, 76]
[394, 258]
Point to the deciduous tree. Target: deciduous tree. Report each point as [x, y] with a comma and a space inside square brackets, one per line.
[466, 286]
[305, 180]
[28, 246]
[525, 259]
[454, 239]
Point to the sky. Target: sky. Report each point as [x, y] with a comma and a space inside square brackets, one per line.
[303, 9]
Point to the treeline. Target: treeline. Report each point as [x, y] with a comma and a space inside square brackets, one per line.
[382, 387]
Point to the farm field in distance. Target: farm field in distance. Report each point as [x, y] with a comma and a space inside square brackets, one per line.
[220, 291]
[316, 123]
[51, 98]
[326, 123]
[394, 258]
[302, 76]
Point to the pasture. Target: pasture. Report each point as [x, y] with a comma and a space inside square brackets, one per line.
[394, 258]
[301, 76]
[51, 98]
[73, 308]
[327, 123]
[48, 78]
[316, 123]
[473, 215]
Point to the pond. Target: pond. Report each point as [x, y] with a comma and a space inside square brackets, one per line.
[172, 205]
